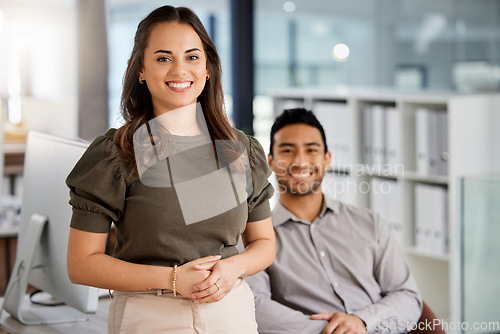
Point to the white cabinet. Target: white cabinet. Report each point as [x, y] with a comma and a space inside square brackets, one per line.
[384, 128]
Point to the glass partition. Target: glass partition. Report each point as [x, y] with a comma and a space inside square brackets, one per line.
[481, 254]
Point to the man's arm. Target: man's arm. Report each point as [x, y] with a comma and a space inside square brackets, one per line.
[275, 318]
[401, 304]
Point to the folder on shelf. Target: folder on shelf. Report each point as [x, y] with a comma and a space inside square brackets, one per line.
[394, 206]
[443, 136]
[392, 138]
[431, 141]
[431, 219]
[423, 228]
[439, 219]
[422, 140]
[335, 118]
[385, 199]
[367, 135]
[378, 137]
[434, 142]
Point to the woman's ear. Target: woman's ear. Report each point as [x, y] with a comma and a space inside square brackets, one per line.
[140, 77]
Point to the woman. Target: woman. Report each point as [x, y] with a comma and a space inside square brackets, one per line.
[178, 189]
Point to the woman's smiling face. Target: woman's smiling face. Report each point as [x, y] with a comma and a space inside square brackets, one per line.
[175, 66]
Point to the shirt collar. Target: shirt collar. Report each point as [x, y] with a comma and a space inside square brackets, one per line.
[281, 214]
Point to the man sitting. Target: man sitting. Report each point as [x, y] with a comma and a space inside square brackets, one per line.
[337, 267]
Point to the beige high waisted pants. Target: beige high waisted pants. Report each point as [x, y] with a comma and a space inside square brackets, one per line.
[146, 312]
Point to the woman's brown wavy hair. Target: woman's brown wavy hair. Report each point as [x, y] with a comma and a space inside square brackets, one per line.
[136, 103]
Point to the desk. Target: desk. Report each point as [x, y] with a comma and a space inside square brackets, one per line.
[13, 164]
[8, 245]
[97, 323]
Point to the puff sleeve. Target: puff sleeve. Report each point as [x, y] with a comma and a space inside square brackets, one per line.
[262, 191]
[97, 187]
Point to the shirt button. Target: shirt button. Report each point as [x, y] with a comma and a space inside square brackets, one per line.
[335, 284]
[322, 253]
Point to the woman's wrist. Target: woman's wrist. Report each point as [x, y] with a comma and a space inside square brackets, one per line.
[166, 278]
[238, 265]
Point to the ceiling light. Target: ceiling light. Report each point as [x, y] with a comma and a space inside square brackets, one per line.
[340, 52]
[289, 6]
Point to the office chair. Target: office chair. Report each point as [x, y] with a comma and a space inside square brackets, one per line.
[426, 317]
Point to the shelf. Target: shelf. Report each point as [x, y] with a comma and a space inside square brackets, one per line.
[426, 178]
[417, 252]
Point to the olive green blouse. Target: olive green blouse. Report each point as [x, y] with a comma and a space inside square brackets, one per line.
[185, 207]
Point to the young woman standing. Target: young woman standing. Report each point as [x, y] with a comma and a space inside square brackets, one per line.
[178, 189]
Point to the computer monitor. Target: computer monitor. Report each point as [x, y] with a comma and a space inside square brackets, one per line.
[43, 235]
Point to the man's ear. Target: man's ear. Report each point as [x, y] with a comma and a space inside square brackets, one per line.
[270, 160]
[328, 158]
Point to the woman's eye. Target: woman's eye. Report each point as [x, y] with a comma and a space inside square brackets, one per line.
[163, 59]
[192, 57]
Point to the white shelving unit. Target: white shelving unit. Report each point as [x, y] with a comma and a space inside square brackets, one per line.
[473, 146]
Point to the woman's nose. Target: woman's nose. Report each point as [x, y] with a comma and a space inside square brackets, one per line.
[178, 67]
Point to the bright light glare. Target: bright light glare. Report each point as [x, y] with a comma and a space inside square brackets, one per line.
[340, 52]
[289, 6]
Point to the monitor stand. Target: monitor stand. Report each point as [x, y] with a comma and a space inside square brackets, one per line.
[16, 301]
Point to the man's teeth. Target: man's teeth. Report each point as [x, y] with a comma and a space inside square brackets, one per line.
[303, 174]
[179, 85]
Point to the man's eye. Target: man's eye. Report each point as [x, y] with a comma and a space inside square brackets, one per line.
[313, 150]
[286, 151]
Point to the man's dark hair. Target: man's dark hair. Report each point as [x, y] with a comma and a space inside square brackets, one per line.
[296, 116]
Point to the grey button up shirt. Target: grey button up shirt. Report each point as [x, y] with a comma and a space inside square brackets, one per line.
[346, 260]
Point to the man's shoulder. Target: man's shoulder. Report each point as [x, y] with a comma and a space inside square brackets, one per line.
[355, 214]
[352, 209]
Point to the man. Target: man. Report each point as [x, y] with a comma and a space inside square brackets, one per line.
[337, 267]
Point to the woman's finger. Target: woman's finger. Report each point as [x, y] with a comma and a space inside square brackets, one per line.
[208, 282]
[210, 258]
[205, 293]
[215, 297]
[205, 266]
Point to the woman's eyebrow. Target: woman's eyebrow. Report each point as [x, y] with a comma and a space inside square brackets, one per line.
[170, 52]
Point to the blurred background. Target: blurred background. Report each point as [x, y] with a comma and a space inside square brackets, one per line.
[408, 44]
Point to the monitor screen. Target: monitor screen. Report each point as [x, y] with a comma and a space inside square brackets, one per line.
[44, 230]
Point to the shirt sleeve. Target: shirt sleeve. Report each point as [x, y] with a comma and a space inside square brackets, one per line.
[275, 318]
[401, 304]
[262, 190]
[97, 188]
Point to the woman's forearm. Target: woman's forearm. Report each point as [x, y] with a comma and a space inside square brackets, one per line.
[89, 265]
[258, 255]
[258, 239]
[103, 271]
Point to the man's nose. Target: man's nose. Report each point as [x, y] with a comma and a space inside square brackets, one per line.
[300, 160]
